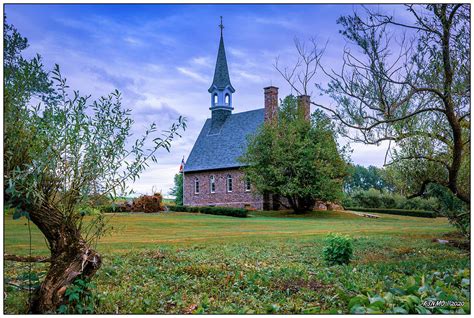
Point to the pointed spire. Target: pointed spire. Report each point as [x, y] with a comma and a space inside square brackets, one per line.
[221, 26]
[221, 74]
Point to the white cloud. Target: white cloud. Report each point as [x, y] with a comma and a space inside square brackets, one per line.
[280, 22]
[204, 61]
[191, 74]
[237, 52]
[163, 64]
[133, 41]
[242, 75]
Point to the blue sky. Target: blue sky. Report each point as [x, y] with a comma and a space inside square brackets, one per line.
[161, 57]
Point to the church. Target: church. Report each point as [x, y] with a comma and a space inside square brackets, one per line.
[212, 174]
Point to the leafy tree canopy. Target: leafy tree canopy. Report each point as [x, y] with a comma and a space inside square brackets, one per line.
[296, 158]
[177, 189]
[362, 178]
[60, 152]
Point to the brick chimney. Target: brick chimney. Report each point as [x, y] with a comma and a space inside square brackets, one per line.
[303, 106]
[271, 103]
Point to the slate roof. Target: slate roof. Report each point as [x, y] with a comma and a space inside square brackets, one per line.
[221, 150]
[221, 74]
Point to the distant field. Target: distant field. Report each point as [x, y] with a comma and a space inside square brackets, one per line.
[270, 262]
[142, 231]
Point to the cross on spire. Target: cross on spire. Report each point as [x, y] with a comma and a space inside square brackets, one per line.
[221, 26]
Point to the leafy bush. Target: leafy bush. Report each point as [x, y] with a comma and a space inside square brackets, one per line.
[417, 213]
[114, 208]
[88, 210]
[236, 212]
[338, 249]
[97, 200]
[428, 204]
[179, 208]
[373, 198]
[79, 298]
[458, 212]
[417, 296]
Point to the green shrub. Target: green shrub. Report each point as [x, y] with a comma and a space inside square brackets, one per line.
[88, 210]
[338, 249]
[417, 213]
[177, 208]
[114, 208]
[373, 198]
[457, 211]
[79, 298]
[97, 200]
[235, 212]
[428, 204]
[417, 295]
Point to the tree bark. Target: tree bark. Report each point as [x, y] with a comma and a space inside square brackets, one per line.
[71, 257]
[453, 120]
[76, 261]
[301, 205]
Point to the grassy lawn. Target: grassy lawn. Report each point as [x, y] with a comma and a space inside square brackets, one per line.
[268, 263]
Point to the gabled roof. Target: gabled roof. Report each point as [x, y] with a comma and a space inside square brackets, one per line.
[221, 74]
[221, 150]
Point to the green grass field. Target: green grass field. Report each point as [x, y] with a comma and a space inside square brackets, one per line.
[270, 262]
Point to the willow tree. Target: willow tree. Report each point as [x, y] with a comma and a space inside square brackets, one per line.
[405, 82]
[68, 148]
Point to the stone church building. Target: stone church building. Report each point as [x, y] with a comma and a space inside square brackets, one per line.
[212, 172]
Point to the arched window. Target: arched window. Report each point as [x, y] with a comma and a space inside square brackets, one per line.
[227, 99]
[229, 183]
[212, 184]
[248, 187]
[215, 99]
[196, 185]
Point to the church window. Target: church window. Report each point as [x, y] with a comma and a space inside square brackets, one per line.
[229, 183]
[247, 185]
[196, 186]
[212, 184]
[215, 99]
[227, 99]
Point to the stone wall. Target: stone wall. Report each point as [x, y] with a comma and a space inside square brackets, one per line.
[238, 198]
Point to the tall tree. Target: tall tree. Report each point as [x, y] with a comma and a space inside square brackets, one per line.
[412, 90]
[362, 178]
[23, 79]
[296, 158]
[177, 189]
[67, 149]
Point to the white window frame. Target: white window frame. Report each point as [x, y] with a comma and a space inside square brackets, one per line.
[247, 185]
[231, 183]
[227, 99]
[215, 99]
[212, 184]
[196, 185]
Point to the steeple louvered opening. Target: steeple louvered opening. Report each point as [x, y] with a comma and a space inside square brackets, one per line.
[221, 88]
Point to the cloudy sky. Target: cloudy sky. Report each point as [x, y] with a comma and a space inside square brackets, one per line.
[161, 57]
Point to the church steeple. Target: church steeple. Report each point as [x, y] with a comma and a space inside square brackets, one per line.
[221, 89]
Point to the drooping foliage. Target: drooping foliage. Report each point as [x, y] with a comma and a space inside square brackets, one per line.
[61, 149]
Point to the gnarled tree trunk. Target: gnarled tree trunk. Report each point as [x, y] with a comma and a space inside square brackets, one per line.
[70, 257]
